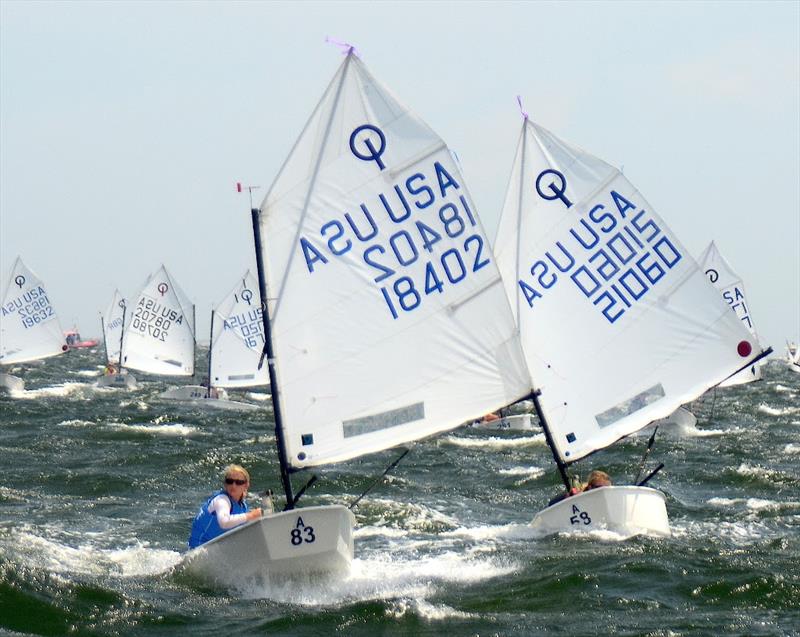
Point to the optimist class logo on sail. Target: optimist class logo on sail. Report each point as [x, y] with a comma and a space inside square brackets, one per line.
[416, 238]
[614, 254]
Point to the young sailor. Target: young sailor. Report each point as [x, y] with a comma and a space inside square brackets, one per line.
[224, 510]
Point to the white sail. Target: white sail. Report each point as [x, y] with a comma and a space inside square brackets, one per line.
[29, 327]
[112, 327]
[388, 317]
[618, 322]
[237, 339]
[730, 285]
[159, 330]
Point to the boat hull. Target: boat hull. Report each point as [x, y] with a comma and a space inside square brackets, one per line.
[11, 383]
[308, 541]
[518, 422]
[118, 381]
[196, 395]
[627, 510]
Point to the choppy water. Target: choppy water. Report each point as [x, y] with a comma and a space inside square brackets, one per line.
[98, 488]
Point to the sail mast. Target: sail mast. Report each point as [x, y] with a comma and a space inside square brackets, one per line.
[273, 381]
[210, 350]
[548, 436]
[121, 335]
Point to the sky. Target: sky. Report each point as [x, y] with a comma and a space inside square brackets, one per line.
[124, 126]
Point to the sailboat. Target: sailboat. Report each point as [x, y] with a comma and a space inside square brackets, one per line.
[159, 332]
[29, 327]
[793, 357]
[234, 353]
[730, 285]
[377, 274]
[113, 324]
[618, 323]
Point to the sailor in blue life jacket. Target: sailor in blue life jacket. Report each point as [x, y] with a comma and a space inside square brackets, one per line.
[224, 510]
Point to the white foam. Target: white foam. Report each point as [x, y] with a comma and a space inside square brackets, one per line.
[258, 396]
[55, 391]
[501, 532]
[75, 422]
[427, 611]
[792, 448]
[92, 373]
[174, 429]
[86, 558]
[772, 411]
[388, 576]
[493, 442]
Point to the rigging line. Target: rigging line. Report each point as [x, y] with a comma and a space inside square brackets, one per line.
[646, 453]
[378, 479]
[650, 475]
[300, 493]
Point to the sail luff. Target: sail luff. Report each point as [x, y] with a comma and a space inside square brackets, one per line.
[280, 440]
[343, 73]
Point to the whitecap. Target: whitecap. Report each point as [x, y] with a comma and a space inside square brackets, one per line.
[766, 409]
[493, 442]
[792, 448]
[174, 429]
[387, 576]
[425, 610]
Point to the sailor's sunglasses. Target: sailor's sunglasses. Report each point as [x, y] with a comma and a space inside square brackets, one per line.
[235, 481]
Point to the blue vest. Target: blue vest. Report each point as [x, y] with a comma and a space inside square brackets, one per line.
[205, 526]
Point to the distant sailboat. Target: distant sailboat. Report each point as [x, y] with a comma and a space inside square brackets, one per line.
[234, 353]
[159, 332]
[377, 276]
[793, 357]
[29, 327]
[730, 285]
[619, 326]
[113, 325]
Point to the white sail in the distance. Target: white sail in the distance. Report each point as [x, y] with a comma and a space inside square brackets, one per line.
[389, 321]
[237, 339]
[159, 331]
[731, 287]
[112, 327]
[29, 326]
[618, 322]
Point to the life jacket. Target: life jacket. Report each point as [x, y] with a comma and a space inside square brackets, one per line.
[205, 526]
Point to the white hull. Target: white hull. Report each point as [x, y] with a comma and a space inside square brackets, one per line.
[196, 395]
[681, 418]
[118, 381]
[519, 422]
[625, 510]
[795, 367]
[11, 383]
[308, 541]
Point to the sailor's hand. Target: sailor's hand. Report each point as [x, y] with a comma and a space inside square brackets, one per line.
[254, 514]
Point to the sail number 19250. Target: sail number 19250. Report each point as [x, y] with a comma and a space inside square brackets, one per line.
[302, 533]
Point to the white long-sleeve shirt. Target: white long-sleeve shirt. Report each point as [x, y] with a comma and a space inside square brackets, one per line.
[221, 505]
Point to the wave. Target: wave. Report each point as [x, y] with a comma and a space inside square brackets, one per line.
[772, 411]
[493, 442]
[34, 551]
[174, 429]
